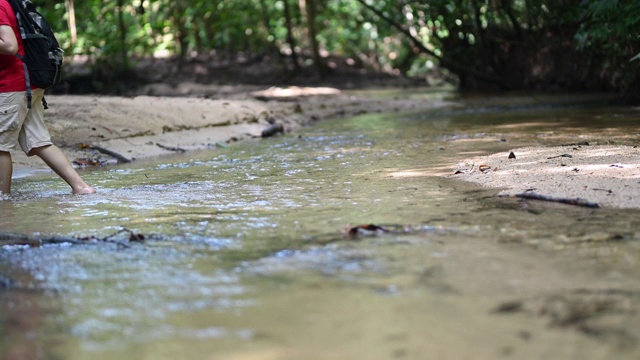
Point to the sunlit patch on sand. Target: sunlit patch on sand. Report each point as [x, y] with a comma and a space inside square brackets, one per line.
[602, 173]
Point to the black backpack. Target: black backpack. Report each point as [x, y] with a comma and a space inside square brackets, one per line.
[43, 56]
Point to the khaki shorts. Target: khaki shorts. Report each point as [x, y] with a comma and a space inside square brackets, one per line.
[20, 125]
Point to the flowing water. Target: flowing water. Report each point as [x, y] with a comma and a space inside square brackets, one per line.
[245, 255]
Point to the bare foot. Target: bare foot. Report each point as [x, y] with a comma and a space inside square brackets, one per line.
[84, 190]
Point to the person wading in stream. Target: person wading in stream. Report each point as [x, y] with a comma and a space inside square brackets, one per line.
[19, 124]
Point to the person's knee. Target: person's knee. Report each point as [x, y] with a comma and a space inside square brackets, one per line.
[6, 163]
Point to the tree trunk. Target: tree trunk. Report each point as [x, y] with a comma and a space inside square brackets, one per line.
[266, 19]
[272, 44]
[290, 38]
[181, 30]
[123, 36]
[311, 12]
[477, 22]
[71, 20]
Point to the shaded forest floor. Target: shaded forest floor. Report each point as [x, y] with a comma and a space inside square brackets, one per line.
[255, 71]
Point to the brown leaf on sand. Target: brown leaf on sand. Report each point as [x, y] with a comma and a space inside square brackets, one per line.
[365, 230]
[86, 162]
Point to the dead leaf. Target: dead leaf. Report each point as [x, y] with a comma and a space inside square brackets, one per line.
[366, 230]
[86, 162]
[135, 237]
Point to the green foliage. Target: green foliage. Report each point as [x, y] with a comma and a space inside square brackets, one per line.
[610, 29]
[404, 36]
[611, 25]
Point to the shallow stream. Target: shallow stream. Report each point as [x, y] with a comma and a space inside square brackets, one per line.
[245, 255]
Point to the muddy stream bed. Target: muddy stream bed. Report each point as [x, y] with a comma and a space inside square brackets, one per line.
[245, 254]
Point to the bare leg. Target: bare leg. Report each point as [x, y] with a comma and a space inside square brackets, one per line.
[6, 171]
[59, 163]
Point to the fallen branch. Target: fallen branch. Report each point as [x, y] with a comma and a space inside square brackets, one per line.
[585, 143]
[120, 158]
[563, 155]
[171, 148]
[273, 130]
[11, 238]
[568, 201]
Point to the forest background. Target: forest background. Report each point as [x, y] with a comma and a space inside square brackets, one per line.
[487, 45]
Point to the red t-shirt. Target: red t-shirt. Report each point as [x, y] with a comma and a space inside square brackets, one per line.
[11, 70]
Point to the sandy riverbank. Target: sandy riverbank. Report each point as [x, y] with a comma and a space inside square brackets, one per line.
[606, 175]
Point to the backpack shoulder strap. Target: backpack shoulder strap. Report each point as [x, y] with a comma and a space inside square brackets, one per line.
[16, 9]
[26, 80]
